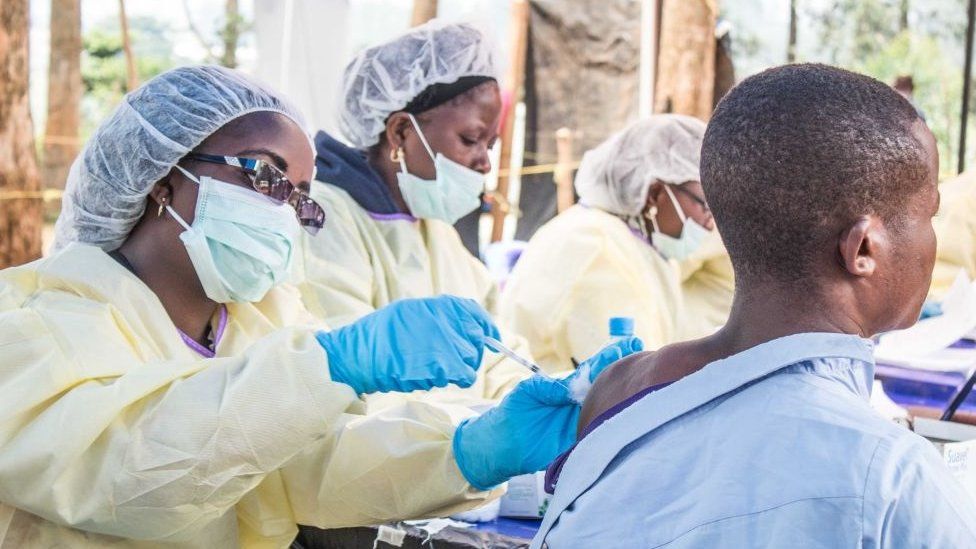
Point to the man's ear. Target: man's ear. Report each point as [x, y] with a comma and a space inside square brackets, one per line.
[396, 129]
[862, 244]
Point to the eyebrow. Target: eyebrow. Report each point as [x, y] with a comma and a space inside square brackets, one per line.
[279, 161]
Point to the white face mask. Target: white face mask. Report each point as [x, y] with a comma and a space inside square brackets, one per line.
[241, 243]
[454, 193]
[691, 239]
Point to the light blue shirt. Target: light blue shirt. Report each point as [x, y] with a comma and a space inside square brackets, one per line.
[776, 446]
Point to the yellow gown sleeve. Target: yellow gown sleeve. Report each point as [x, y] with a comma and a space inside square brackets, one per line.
[101, 439]
[955, 229]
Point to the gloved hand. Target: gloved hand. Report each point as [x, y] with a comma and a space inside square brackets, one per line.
[410, 345]
[530, 427]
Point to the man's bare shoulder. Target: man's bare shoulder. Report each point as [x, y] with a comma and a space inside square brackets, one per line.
[637, 372]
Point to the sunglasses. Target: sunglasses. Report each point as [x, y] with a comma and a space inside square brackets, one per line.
[268, 180]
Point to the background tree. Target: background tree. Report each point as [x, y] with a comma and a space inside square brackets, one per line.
[20, 218]
[686, 59]
[64, 89]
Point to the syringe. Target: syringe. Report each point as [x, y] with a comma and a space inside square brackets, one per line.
[499, 347]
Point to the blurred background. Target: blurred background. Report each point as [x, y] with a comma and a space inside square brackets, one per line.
[574, 72]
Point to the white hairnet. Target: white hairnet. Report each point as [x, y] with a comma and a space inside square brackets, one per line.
[616, 175]
[141, 141]
[381, 80]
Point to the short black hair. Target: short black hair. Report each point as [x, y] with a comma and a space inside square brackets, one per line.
[796, 153]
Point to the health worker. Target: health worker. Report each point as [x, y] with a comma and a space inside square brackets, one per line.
[420, 113]
[160, 385]
[615, 253]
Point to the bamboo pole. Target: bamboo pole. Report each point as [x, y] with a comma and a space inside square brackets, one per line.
[132, 79]
[563, 174]
[423, 11]
[519, 29]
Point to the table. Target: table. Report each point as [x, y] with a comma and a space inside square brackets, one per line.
[502, 533]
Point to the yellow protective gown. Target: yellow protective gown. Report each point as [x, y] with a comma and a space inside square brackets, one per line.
[707, 284]
[579, 270]
[362, 262]
[955, 228]
[112, 428]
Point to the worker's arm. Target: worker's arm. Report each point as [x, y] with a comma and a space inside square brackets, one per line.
[106, 438]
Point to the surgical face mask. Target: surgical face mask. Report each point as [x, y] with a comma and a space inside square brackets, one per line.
[454, 193]
[691, 239]
[240, 243]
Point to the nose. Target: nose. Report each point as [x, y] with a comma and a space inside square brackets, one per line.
[482, 164]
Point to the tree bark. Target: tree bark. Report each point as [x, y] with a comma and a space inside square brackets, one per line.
[231, 34]
[64, 89]
[686, 62]
[20, 218]
[423, 11]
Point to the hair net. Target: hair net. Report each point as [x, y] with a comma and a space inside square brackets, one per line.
[141, 141]
[383, 79]
[617, 174]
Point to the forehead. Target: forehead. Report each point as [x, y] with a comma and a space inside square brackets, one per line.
[482, 103]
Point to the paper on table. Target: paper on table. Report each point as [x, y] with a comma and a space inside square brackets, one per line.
[926, 344]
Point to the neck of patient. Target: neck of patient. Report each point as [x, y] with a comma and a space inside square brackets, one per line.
[768, 311]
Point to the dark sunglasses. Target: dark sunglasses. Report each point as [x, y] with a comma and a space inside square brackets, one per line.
[268, 180]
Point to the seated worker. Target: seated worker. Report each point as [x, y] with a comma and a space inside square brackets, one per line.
[421, 112]
[641, 206]
[707, 285]
[955, 227]
[823, 186]
[159, 387]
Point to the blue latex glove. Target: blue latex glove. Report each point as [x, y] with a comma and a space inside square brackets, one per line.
[410, 345]
[530, 427]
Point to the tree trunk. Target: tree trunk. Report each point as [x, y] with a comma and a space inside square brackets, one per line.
[64, 89]
[903, 15]
[686, 62]
[20, 217]
[423, 11]
[231, 34]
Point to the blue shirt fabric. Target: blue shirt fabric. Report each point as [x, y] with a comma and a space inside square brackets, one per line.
[776, 446]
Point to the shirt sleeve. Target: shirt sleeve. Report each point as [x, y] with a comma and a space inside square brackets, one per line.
[912, 499]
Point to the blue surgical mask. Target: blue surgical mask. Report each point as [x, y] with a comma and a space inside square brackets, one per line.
[692, 234]
[241, 243]
[454, 193]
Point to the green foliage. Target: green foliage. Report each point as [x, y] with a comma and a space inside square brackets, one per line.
[938, 86]
[103, 66]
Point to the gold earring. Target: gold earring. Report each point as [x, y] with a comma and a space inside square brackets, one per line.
[396, 154]
[162, 206]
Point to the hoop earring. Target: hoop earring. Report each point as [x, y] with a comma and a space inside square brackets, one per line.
[162, 206]
[396, 155]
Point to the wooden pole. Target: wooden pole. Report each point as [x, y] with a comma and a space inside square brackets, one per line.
[20, 207]
[64, 91]
[791, 44]
[563, 173]
[648, 60]
[967, 76]
[423, 11]
[686, 58]
[519, 28]
[132, 79]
